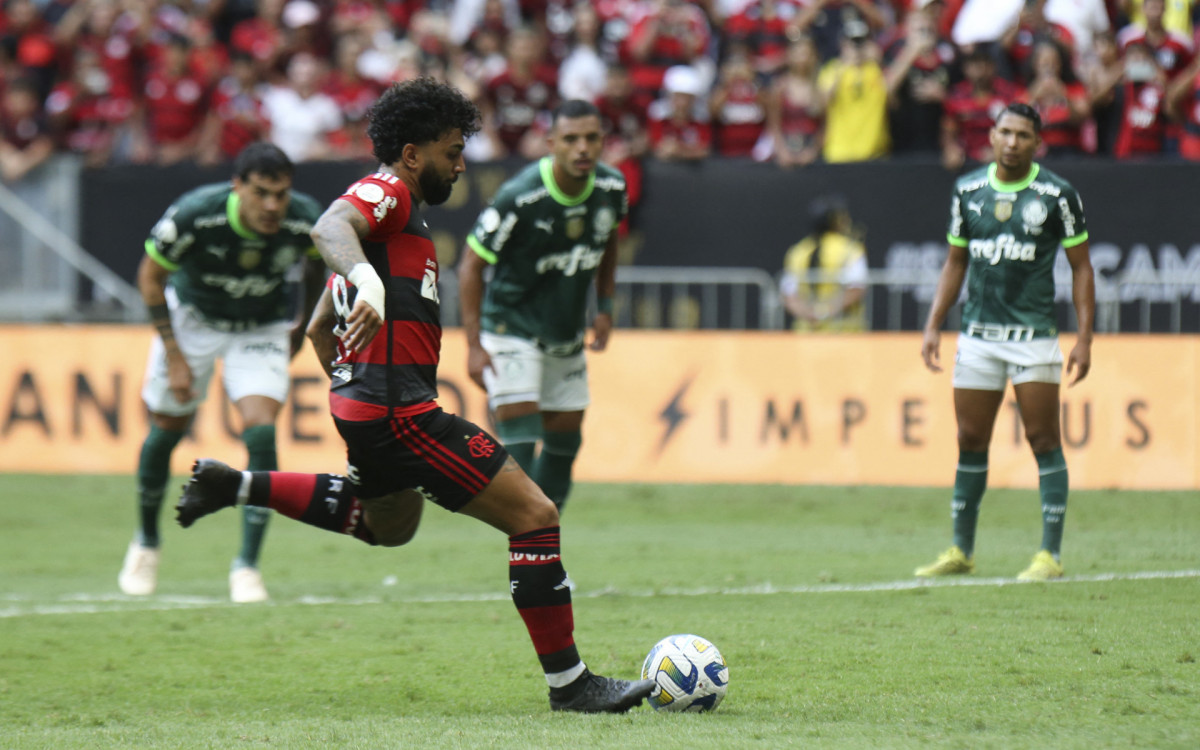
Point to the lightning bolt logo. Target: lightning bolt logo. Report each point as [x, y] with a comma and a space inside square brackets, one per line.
[673, 414]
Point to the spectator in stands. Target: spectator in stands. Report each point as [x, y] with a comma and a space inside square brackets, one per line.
[1177, 17]
[1173, 50]
[1143, 120]
[971, 109]
[1103, 78]
[468, 16]
[582, 73]
[116, 35]
[302, 117]
[624, 118]
[677, 131]
[826, 21]
[1031, 28]
[855, 95]
[669, 33]
[918, 78]
[761, 26]
[27, 42]
[84, 113]
[1060, 99]
[236, 117]
[516, 104]
[824, 278]
[174, 104]
[1183, 102]
[25, 142]
[354, 94]
[1082, 18]
[738, 108]
[261, 36]
[796, 109]
[208, 58]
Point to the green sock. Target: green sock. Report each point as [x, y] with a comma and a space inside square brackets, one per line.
[260, 447]
[520, 436]
[970, 480]
[552, 470]
[1052, 485]
[153, 471]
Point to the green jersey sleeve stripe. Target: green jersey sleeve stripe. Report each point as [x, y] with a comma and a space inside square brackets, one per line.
[480, 250]
[159, 258]
[956, 241]
[1078, 239]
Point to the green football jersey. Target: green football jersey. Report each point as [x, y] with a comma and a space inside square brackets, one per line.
[223, 269]
[544, 248]
[1012, 232]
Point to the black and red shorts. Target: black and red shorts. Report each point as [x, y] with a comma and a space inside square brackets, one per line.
[448, 458]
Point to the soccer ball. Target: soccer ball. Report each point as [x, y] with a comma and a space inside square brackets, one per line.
[690, 673]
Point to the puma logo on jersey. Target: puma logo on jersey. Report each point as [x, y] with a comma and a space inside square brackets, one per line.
[976, 207]
[548, 226]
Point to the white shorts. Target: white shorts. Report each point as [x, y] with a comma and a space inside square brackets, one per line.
[989, 365]
[255, 362]
[522, 372]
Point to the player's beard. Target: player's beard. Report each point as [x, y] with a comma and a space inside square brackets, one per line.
[434, 187]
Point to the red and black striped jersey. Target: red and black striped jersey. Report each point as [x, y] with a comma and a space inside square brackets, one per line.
[396, 375]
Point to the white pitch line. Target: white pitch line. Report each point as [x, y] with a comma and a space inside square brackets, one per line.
[88, 604]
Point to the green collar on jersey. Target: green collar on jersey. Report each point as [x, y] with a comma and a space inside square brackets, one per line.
[546, 166]
[235, 219]
[1012, 187]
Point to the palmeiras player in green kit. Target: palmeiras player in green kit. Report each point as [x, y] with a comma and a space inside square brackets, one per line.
[215, 279]
[549, 231]
[380, 318]
[1007, 221]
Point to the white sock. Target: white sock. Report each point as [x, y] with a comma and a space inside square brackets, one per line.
[243, 493]
[562, 679]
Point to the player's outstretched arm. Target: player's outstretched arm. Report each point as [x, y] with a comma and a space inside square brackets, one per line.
[950, 282]
[1083, 295]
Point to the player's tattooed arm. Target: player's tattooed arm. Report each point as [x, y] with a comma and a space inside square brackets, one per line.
[338, 236]
[152, 283]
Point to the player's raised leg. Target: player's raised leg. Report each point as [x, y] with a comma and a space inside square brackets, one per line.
[325, 501]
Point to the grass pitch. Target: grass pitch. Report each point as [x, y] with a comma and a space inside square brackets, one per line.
[806, 590]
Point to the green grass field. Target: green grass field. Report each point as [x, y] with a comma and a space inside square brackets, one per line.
[806, 590]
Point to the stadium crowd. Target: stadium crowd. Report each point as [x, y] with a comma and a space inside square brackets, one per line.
[790, 81]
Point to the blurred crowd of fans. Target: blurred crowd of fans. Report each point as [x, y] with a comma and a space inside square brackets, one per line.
[789, 81]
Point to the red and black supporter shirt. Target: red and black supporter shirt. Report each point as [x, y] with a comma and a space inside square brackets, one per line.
[396, 375]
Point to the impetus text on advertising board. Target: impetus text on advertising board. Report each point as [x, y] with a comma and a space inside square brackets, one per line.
[666, 407]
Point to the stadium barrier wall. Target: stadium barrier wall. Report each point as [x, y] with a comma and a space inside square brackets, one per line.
[667, 407]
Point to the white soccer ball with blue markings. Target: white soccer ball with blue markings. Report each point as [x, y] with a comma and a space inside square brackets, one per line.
[689, 672]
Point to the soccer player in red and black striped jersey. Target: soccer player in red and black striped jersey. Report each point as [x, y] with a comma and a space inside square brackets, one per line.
[378, 331]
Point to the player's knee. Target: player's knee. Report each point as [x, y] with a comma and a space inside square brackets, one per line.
[541, 512]
[1043, 442]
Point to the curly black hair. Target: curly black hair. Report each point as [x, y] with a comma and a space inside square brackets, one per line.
[418, 111]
